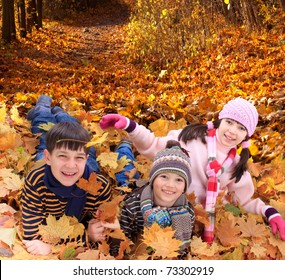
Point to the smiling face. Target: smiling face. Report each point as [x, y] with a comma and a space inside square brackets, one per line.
[167, 187]
[231, 133]
[67, 166]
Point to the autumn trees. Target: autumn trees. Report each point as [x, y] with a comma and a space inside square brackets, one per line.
[29, 14]
[163, 33]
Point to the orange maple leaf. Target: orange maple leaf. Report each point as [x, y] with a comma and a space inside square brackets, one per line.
[201, 215]
[227, 233]
[92, 185]
[108, 211]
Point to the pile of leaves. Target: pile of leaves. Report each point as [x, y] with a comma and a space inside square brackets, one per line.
[81, 66]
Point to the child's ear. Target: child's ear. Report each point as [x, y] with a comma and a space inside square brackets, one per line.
[47, 156]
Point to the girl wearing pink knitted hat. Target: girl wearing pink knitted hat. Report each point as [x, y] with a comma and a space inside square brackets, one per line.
[215, 164]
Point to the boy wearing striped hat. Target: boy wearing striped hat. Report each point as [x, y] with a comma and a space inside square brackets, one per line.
[162, 200]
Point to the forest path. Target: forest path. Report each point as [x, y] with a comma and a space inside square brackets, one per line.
[54, 59]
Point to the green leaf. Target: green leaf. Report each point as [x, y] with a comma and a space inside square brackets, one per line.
[233, 209]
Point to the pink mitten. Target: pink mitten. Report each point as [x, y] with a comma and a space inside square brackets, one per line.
[277, 223]
[115, 121]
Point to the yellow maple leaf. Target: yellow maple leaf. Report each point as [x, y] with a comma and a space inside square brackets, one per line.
[46, 126]
[253, 149]
[78, 228]
[159, 127]
[236, 254]
[55, 230]
[98, 139]
[108, 159]
[3, 113]
[122, 162]
[15, 116]
[157, 237]
[259, 251]
[92, 185]
[198, 247]
[250, 228]
[124, 189]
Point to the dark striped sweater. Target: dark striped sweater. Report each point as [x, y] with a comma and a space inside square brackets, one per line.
[131, 218]
[38, 202]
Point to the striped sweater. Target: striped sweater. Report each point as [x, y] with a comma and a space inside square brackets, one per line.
[131, 218]
[38, 202]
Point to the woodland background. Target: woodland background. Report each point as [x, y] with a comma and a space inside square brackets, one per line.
[162, 63]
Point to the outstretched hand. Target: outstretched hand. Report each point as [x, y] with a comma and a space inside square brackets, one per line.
[114, 121]
[278, 224]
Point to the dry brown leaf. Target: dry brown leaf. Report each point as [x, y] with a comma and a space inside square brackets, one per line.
[89, 255]
[250, 228]
[104, 247]
[124, 247]
[259, 251]
[228, 233]
[92, 185]
[7, 137]
[201, 215]
[108, 211]
[10, 180]
[118, 234]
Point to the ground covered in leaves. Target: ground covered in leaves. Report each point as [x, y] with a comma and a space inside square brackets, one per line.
[80, 63]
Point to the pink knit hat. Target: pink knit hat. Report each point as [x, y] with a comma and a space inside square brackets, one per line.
[242, 111]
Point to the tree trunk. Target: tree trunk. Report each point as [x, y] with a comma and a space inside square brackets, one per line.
[22, 18]
[282, 4]
[31, 15]
[12, 20]
[39, 13]
[8, 21]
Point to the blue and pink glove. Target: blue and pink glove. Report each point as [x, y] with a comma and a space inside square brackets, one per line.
[276, 222]
[117, 121]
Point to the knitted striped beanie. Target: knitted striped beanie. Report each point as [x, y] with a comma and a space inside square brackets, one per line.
[172, 159]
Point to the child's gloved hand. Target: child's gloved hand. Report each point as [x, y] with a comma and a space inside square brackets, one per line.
[114, 121]
[278, 224]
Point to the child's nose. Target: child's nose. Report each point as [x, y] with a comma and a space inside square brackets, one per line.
[233, 129]
[71, 163]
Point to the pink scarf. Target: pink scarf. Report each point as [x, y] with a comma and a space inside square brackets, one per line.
[214, 171]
